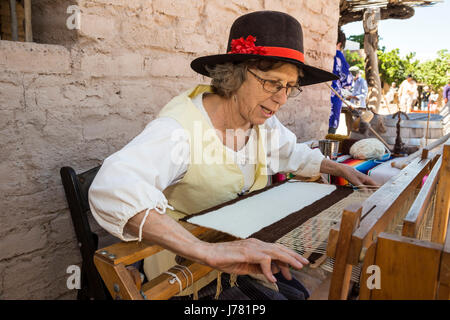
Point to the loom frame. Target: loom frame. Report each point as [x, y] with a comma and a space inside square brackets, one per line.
[359, 237]
[411, 269]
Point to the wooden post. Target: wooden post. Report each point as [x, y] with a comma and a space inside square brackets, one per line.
[14, 30]
[409, 268]
[342, 271]
[28, 26]
[369, 260]
[444, 272]
[119, 281]
[370, 23]
[423, 201]
[441, 214]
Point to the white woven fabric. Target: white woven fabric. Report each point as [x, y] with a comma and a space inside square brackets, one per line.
[245, 217]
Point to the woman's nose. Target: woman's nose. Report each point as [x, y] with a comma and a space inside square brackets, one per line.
[280, 97]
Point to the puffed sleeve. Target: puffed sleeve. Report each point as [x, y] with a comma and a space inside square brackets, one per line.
[284, 154]
[132, 179]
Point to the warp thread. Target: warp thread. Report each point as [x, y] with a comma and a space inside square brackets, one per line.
[219, 285]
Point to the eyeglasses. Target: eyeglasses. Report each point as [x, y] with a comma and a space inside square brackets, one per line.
[273, 86]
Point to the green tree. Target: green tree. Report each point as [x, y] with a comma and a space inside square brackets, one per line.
[435, 73]
[354, 59]
[358, 38]
[394, 68]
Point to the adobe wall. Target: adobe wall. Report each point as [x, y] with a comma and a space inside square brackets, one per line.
[82, 97]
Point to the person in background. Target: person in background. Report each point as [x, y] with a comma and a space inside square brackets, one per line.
[446, 92]
[407, 93]
[359, 91]
[425, 96]
[341, 69]
[390, 96]
[434, 96]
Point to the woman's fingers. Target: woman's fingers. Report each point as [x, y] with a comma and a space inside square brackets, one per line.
[284, 269]
[247, 256]
[285, 255]
[297, 256]
[266, 268]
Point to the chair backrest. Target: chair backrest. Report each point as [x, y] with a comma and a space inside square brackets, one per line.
[76, 188]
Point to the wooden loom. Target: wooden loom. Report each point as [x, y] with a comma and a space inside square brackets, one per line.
[412, 267]
[423, 272]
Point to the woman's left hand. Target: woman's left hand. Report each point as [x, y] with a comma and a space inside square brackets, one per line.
[357, 178]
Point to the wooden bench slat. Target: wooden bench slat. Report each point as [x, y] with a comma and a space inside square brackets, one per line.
[414, 218]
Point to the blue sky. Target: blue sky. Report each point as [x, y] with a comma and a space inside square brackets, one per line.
[425, 33]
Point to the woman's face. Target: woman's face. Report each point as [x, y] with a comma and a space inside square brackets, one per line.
[256, 105]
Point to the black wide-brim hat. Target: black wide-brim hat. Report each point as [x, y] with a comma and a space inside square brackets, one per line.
[269, 35]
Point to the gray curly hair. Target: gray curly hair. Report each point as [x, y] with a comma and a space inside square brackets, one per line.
[227, 78]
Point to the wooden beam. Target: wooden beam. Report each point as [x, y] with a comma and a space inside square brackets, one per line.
[369, 260]
[441, 215]
[426, 150]
[28, 26]
[370, 24]
[386, 203]
[14, 28]
[119, 281]
[414, 218]
[342, 271]
[409, 268]
[161, 289]
[391, 11]
[130, 252]
[380, 208]
[444, 272]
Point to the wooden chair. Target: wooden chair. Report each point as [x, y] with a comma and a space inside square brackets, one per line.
[411, 267]
[76, 188]
[112, 263]
[118, 264]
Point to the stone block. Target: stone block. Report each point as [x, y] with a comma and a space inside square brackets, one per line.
[177, 8]
[144, 35]
[22, 240]
[97, 27]
[169, 66]
[34, 58]
[120, 65]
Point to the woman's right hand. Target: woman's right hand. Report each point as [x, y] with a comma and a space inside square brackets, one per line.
[239, 257]
[252, 256]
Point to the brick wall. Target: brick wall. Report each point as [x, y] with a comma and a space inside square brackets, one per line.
[78, 102]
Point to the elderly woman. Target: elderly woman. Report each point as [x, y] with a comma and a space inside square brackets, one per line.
[166, 172]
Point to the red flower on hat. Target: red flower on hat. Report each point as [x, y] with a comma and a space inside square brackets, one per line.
[246, 46]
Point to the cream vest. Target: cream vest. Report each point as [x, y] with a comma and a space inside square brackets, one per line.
[211, 178]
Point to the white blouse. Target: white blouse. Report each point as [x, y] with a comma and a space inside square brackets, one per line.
[242, 156]
[132, 179]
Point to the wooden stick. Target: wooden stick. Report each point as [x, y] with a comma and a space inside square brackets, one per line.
[387, 104]
[379, 137]
[400, 164]
[14, 30]
[433, 145]
[28, 27]
[342, 270]
[441, 214]
[339, 96]
[370, 127]
[428, 125]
